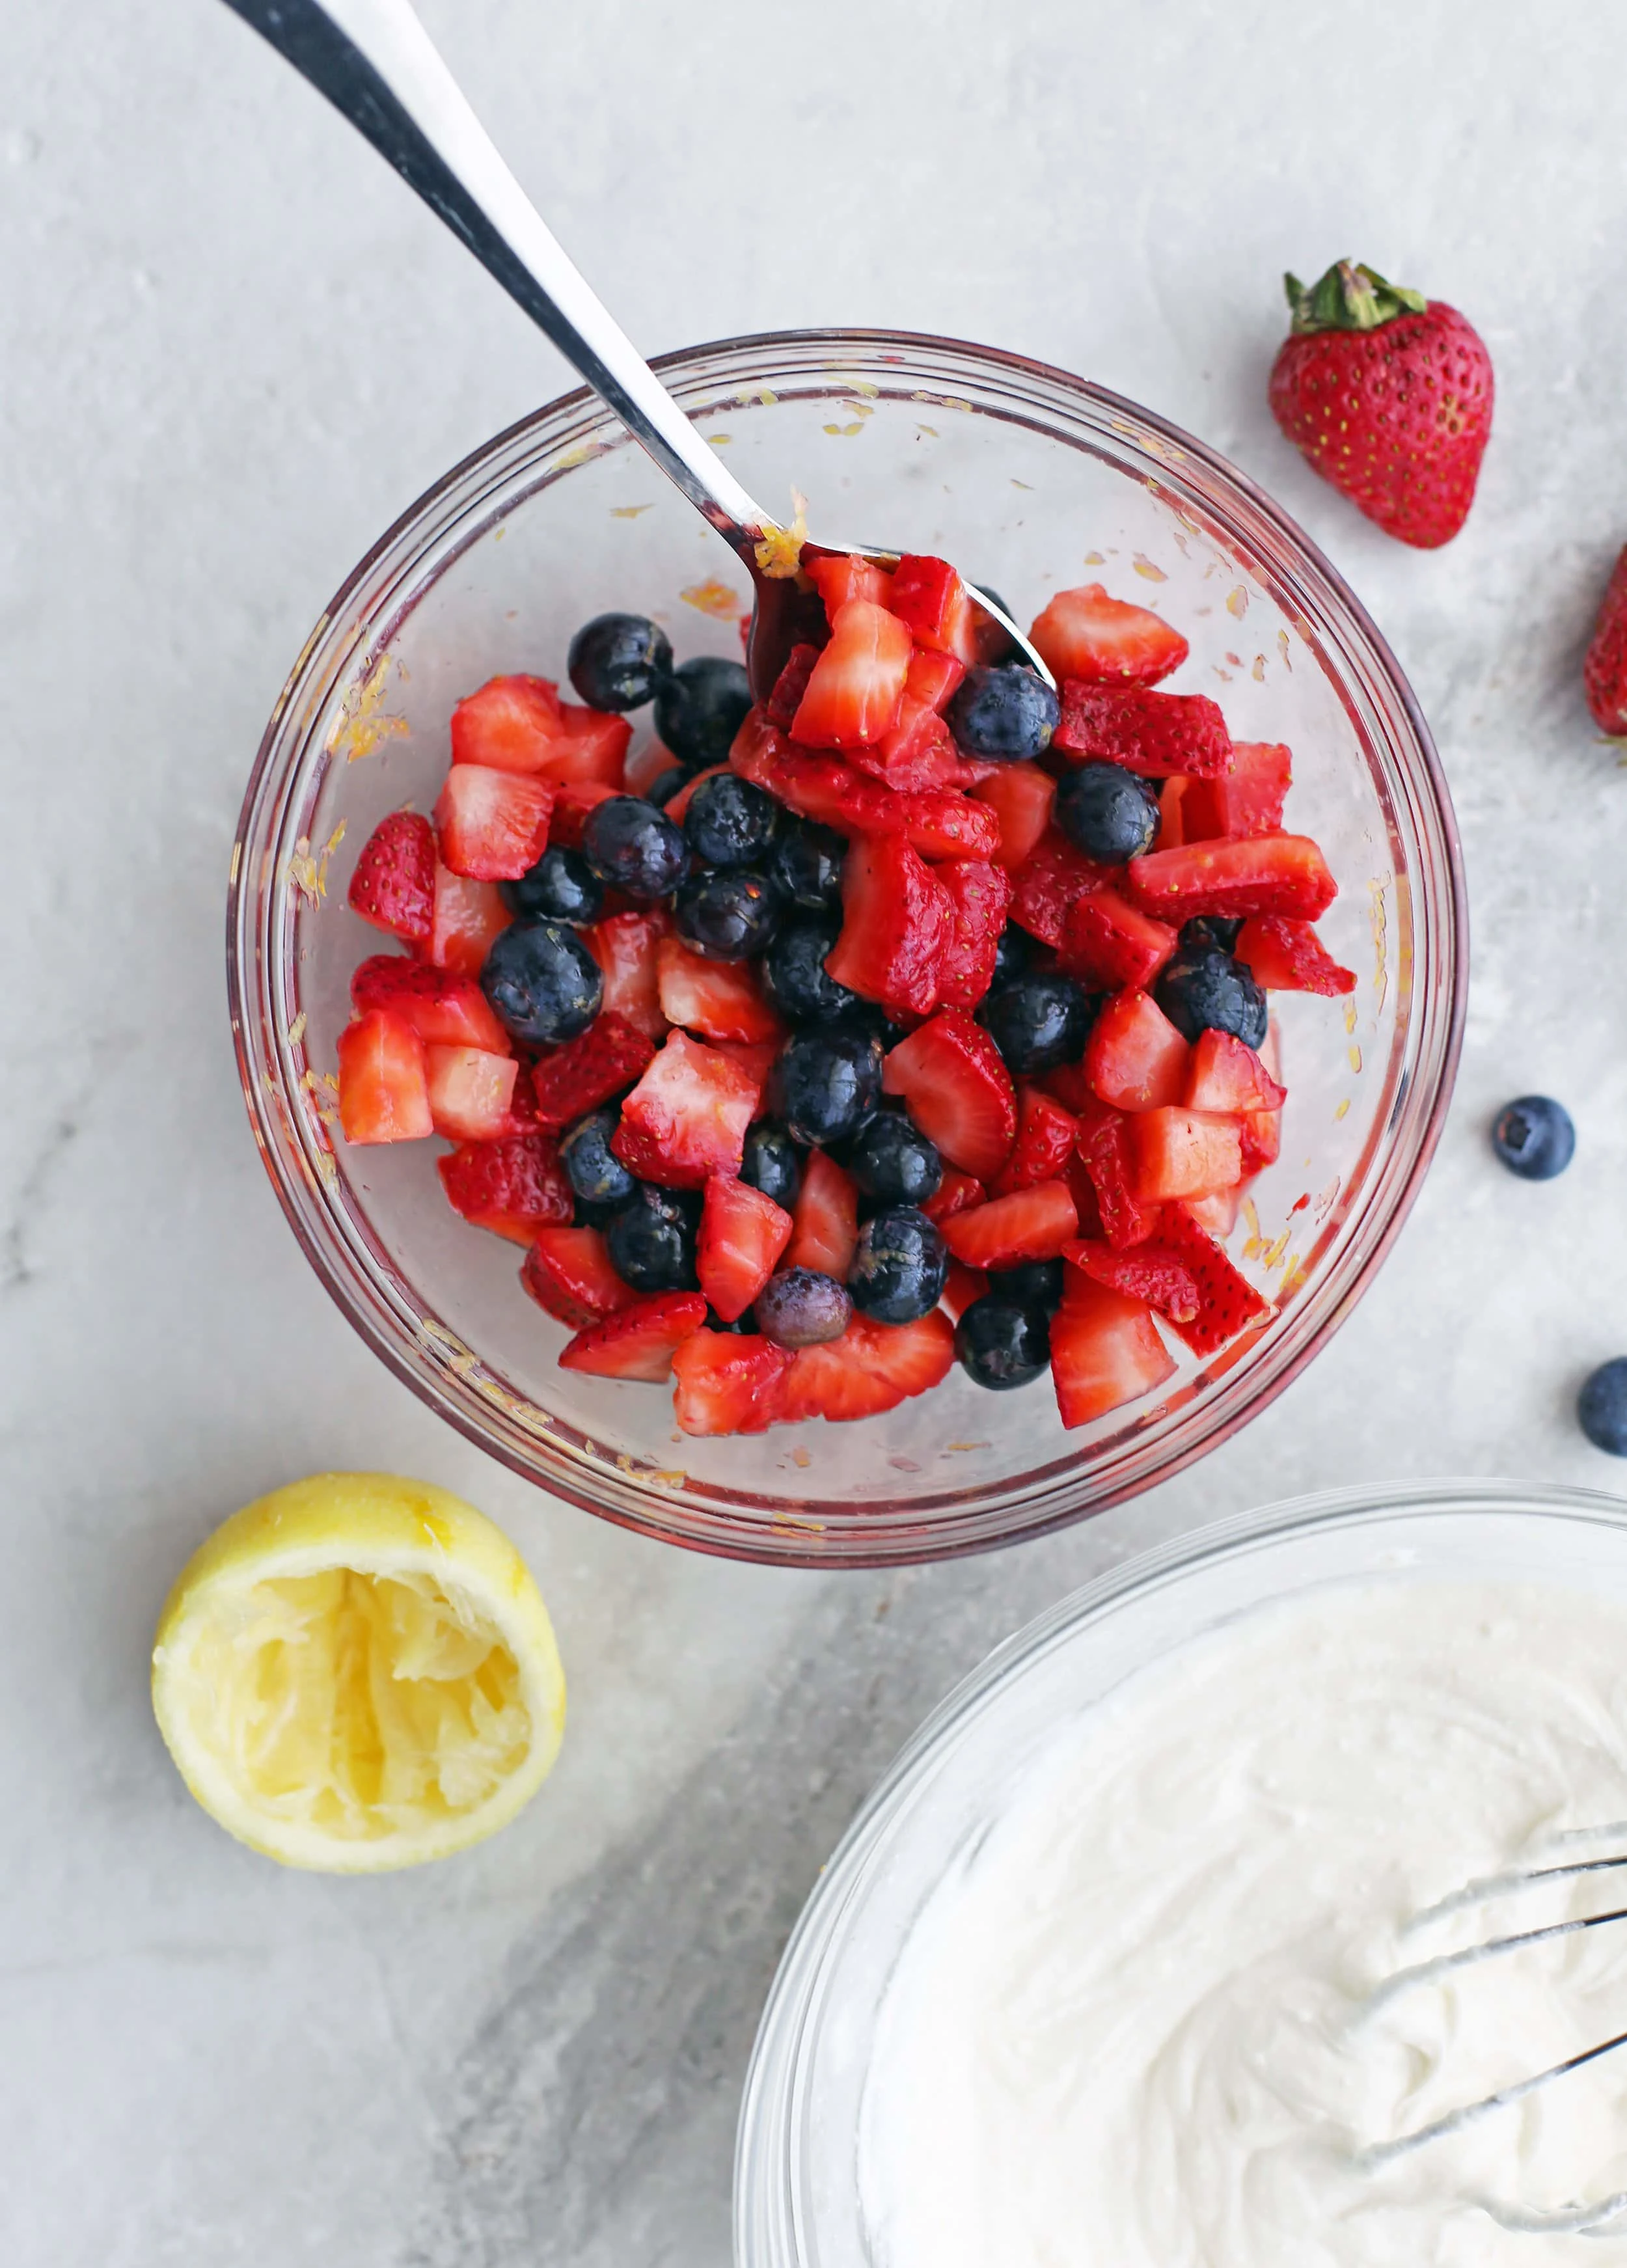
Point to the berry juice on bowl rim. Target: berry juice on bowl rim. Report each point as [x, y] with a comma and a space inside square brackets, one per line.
[1034, 484]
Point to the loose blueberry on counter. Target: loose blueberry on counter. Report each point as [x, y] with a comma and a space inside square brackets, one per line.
[826, 1083]
[1002, 1341]
[1107, 814]
[1038, 1021]
[700, 708]
[1534, 1137]
[893, 1162]
[542, 981]
[727, 916]
[1004, 715]
[795, 978]
[729, 822]
[808, 865]
[596, 1175]
[1602, 1407]
[617, 661]
[1013, 955]
[800, 1307]
[561, 886]
[634, 847]
[1203, 989]
[771, 1163]
[900, 1267]
[651, 1241]
[1223, 930]
[1031, 1283]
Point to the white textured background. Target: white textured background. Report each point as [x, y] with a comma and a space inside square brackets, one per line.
[234, 348]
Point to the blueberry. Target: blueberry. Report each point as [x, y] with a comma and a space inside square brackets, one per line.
[1004, 715]
[700, 708]
[1223, 930]
[651, 1240]
[894, 1163]
[1002, 1342]
[825, 1082]
[1013, 955]
[742, 1324]
[634, 847]
[665, 786]
[1534, 1137]
[727, 916]
[800, 1307]
[869, 1016]
[1038, 1021]
[596, 1175]
[542, 981]
[796, 979]
[729, 822]
[617, 661]
[771, 1164]
[1107, 813]
[808, 865]
[1602, 1407]
[900, 1268]
[1033, 1283]
[561, 886]
[1203, 989]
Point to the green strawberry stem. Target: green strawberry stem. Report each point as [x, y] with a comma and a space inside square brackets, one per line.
[1349, 298]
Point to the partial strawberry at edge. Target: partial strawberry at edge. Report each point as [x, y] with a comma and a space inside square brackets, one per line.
[444, 1009]
[393, 884]
[513, 1188]
[1105, 1350]
[1604, 671]
[640, 1341]
[727, 1382]
[579, 1074]
[1150, 1272]
[568, 1272]
[1084, 634]
[870, 1368]
[1228, 1302]
[1288, 957]
[1224, 1073]
[1154, 734]
[1254, 874]
[957, 1089]
[383, 1080]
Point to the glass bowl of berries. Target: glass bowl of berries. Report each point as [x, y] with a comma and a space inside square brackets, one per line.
[909, 1113]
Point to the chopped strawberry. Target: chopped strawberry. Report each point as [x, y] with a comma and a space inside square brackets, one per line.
[627, 947]
[1046, 1137]
[958, 1091]
[1288, 957]
[592, 749]
[1150, 1272]
[1068, 1086]
[1085, 634]
[640, 1341]
[512, 725]
[1152, 733]
[679, 803]
[1030, 1224]
[954, 1194]
[1218, 1211]
[755, 1057]
[789, 686]
[579, 1074]
[929, 595]
[1227, 1303]
[568, 1272]
[469, 917]
[824, 1219]
[1255, 874]
[393, 885]
[742, 1236]
[871, 1367]
[980, 895]
[1262, 1139]
[1110, 943]
[1104, 1152]
[1184, 1154]
[1082, 1189]
[940, 823]
[1135, 1058]
[1105, 1351]
[1021, 796]
[962, 1285]
[514, 1188]
[492, 825]
[1247, 800]
[686, 1119]
[897, 924]
[445, 1010]
[573, 799]
[469, 1091]
[858, 682]
[1225, 1074]
[840, 576]
[727, 1382]
[719, 999]
[916, 756]
[933, 680]
[1049, 883]
[383, 1088]
[1172, 827]
[641, 772]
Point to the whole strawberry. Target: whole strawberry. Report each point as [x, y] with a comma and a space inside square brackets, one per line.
[1388, 396]
[1604, 673]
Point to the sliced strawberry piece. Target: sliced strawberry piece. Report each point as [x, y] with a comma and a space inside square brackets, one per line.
[897, 923]
[727, 1382]
[640, 1341]
[933, 680]
[383, 1087]
[1227, 1301]
[742, 1236]
[469, 918]
[573, 799]
[918, 755]
[568, 1273]
[470, 1090]
[1225, 1074]
[1068, 1086]
[393, 885]
[1172, 827]
[579, 1074]
[492, 825]
[627, 947]
[1030, 1224]
[980, 895]
[1248, 801]
[954, 1193]
[962, 1285]
[1021, 796]
[958, 1091]
[1085, 634]
[512, 725]
[446, 1011]
[1104, 1152]
[1257, 874]
[1047, 1135]
[514, 1188]
[719, 999]
[1288, 957]
[1183, 1153]
[843, 574]
[1105, 1351]
[1082, 1189]
[816, 785]
[591, 748]
[1135, 1058]
[1218, 1213]
[755, 1057]
[789, 686]
[1050, 882]
[929, 595]
[857, 684]
[1262, 1135]
[680, 803]
[871, 1367]
[1152, 1273]
[686, 1120]
[1152, 733]
[940, 823]
[824, 1219]
[1110, 943]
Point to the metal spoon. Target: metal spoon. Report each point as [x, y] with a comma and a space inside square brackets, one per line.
[376, 64]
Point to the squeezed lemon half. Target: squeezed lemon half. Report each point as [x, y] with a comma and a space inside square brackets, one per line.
[357, 1672]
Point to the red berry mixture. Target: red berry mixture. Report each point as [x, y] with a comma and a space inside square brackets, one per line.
[919, 1012]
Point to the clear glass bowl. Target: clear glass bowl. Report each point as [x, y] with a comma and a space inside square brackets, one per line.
[796, 2184]
[1031, 479]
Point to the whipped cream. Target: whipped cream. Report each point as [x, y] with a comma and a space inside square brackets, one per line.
[1131, 2027]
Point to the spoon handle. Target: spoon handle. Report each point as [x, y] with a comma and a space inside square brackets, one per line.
[377, 65]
